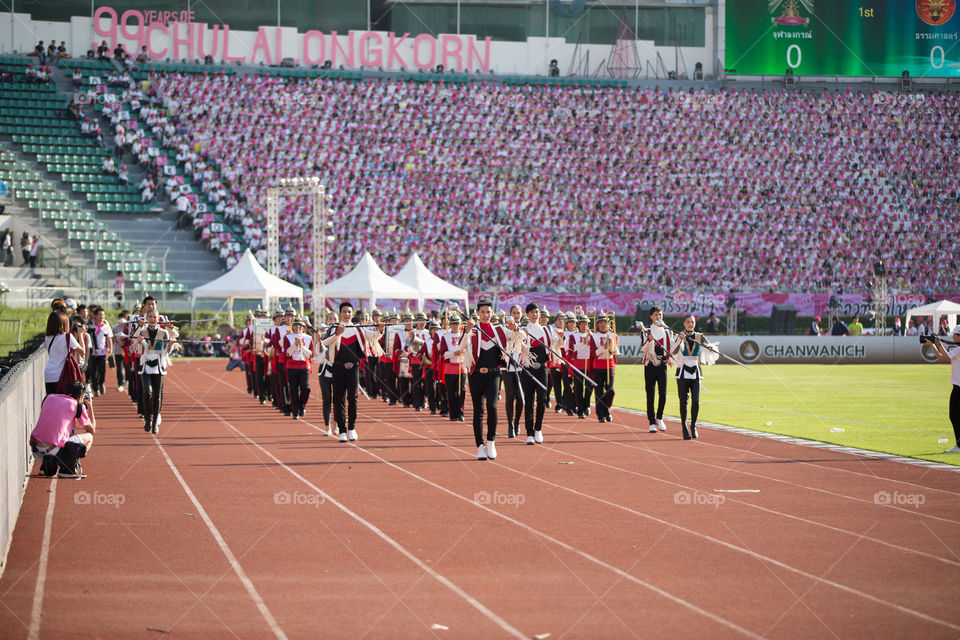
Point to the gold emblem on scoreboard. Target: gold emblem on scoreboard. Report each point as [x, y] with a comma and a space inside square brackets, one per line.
[790, 17]
[936, 12]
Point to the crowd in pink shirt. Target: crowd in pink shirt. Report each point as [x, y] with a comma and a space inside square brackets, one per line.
[580, 189]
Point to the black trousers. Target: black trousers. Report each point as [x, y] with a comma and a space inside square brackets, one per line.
[455, 392]
[388, 389]
[152, 397]
[119, 366]
[655, 380]
[581, 394]
[429, 389]
[483, 393]
[556, 386]
[97, 373]
[692, 387]
[298, 381]
[345, 382]
[569, 402]
[603, 391]
[370, 377]
[260, 378]
[283, 391]
[248, 374]
[955, 413]
[414, 390]
[514, 398]
[326, 398]
[534, 398]
[440, 389]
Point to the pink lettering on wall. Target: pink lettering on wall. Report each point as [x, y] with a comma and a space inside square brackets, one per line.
[177, 34]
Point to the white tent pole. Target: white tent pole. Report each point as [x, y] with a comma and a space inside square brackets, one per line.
[230, 311]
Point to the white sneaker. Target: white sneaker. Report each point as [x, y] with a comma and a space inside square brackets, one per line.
[538, 437]
[353, 434]
[481, 453]
[327, 432]
[119, 388]
[343, 437]
[660, 423]
[491, 450]
[159, 419]
[530, 440]
[955, 449]
[653, 428]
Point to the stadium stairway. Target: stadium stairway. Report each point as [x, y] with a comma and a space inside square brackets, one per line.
[186, 261]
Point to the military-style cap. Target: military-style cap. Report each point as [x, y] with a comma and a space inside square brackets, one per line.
[420, 315]
[433, 324]
[453, 319]
[299, 321]
[375, 313]
[582, 318]
[290, 312]
[407, 317]
[571, 316]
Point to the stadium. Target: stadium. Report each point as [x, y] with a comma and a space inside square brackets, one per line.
[685, 271]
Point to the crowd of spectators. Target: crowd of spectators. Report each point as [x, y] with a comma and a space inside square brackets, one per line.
[576, 189]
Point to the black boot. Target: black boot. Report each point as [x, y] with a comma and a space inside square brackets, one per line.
[693, 430]
[686, 434]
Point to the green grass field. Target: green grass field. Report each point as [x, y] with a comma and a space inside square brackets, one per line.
[899, 409]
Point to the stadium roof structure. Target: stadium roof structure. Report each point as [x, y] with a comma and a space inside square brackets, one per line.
[247, 280]
[367, 281]
[936, 309]
[416, 275]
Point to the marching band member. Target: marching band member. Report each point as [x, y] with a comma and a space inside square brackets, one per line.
[372, 383]
[451, 355]
[151, 343]
[534, 360]
[656, 347]
[261, 383]
[325, 368]
[690, 354]
[428, 355]
[246, 354]
[569, 328]
[280, 358]
[403, 360]
[510, 374]
[554, 364]
[348, 348]
[298, 352]
[388, 387]
[483, 359]
[418, 342]
[603, 361]
[119, 342]
[269, 349]
[578, 346]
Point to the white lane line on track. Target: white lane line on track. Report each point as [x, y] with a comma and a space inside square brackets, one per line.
[476, 604]
[789, 516]
[33, 633]
[232, 559]
[741, 502]
[758, 556]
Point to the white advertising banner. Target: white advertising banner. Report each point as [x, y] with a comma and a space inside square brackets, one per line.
[807, 350]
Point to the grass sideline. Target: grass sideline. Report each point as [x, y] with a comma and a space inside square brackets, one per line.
[898, 409]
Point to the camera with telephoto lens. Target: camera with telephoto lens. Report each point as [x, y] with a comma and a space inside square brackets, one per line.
[929, 338]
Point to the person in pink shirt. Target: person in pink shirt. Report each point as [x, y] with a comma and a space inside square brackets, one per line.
[64, 432]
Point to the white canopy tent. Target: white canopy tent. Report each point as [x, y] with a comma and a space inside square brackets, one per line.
[247, 280]
[367, 281]
[937, 310]
[416, 275]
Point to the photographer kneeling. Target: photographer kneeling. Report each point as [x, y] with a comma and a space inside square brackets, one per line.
[953, 357]
[64, 432]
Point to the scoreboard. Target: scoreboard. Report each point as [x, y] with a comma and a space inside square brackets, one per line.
[843, 37]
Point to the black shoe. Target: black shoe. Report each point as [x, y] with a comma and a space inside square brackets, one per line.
[49, 466]
[155, 429]
[443, 414]
[686, 434]
[417, 409]
[433, 412]
[510, 433]
[570, 413]
[146, 426]
[609, 418]
[459, 418]
[287, 412]
[547, 405]
[581, 415]
[693, 431]
[559, 409]
[303, 412]
[262, 401]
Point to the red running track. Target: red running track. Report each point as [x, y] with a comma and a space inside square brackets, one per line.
[238, 522]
